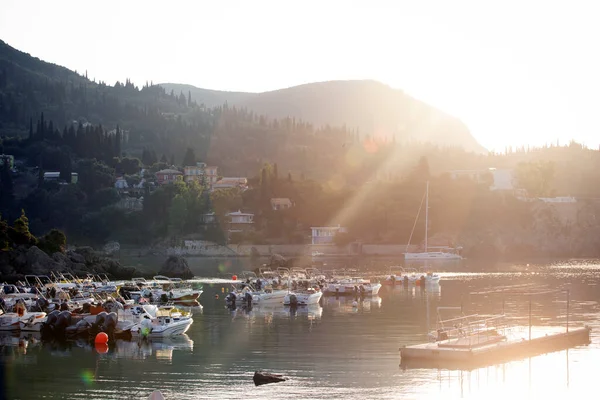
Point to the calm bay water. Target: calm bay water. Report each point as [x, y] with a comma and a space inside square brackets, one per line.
[329, 352]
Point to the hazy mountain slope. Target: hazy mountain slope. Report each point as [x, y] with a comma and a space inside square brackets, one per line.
[371, 106]
[210, 98]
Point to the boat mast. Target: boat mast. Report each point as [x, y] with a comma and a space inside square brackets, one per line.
[426, 214]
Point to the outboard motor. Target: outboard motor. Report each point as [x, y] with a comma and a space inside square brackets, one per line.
[47, 329]
[248, 299]
[97, 325]
[230, 298]
[63, 320]
[110, 323]
[293, 301]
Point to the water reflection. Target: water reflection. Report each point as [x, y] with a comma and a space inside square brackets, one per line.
[351, 305]
[340, 349]
[432, 290]
[161, 348]
[270, 311]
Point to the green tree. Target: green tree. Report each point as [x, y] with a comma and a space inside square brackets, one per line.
[19, 233]
[190, 158]
[536, 177]
[178, 214]
[53, 242]
[66, 168]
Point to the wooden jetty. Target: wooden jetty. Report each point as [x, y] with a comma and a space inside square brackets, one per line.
[473, 352]
[470, 342]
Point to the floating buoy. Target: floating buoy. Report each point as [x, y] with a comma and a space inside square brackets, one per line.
[101, 338]
[101, 348]
[234, 278]
[217, 296]
[222, 290]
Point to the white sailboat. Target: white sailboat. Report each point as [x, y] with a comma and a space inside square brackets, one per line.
[429, 255]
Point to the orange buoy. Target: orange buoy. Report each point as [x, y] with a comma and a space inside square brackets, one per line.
[101, 348]
[101, 338]
[234, 278]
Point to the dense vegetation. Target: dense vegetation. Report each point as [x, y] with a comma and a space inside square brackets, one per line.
[52, 119]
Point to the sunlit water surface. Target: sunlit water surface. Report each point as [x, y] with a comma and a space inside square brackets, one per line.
[329, 352]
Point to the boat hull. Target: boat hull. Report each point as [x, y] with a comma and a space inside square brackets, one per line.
[341, 289]
[303, 299]
[431, 256]
[171, 329]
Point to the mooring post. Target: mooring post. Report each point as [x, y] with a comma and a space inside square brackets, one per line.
[568, 300]
[529, 317]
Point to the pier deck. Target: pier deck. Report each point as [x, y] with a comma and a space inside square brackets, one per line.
[478, 351]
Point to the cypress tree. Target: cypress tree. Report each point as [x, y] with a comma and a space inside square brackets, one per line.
[118, 141]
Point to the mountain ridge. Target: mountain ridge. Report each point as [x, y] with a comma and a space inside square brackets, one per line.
[371, 106]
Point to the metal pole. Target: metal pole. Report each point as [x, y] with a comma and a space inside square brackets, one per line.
[568, 300]
[529, 317]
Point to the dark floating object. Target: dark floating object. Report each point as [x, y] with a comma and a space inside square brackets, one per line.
[262, 378]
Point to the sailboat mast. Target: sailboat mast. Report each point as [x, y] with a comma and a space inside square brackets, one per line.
[426, 215]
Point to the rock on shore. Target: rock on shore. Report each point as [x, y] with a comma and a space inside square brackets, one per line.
[176, 267]
[17, 263]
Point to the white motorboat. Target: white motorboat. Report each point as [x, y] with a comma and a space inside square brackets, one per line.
[302, 298]
[171, 288]
[269, 296]
[351, 286]
[399, 276]
[33, 323]
[168, 322]
[12, 321]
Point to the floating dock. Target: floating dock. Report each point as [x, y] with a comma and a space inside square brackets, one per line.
[478, 351]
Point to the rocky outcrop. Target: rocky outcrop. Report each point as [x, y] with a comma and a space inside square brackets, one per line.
[16, 263]
[176, 267]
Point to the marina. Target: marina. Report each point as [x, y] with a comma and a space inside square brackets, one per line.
[319, 347]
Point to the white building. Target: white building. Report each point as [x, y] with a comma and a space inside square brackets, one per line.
[230, 183]
[199, 171]
[239, 217]
[55, 176]
[325, 234]
[121, 183]
[503, 179]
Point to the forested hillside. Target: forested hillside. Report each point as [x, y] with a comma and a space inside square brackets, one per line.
[52, 119]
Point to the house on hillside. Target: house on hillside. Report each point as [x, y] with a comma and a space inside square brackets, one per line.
[498, 179]
[54, 176]
[131, 204]
[209, 218]
[199, 171]
[7, 158]
[326, 234]
[230, 183]
[240, 222]
[281, 203]
[121, 183]
[503, 179]
[168, 175]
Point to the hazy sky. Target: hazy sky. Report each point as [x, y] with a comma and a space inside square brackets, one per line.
[516, 72]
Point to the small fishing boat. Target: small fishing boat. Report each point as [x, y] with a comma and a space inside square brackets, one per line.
[351, 286]
[12, 321]
[302, 297]
[168, 322]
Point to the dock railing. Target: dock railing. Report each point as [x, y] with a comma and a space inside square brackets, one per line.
[478, 328]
